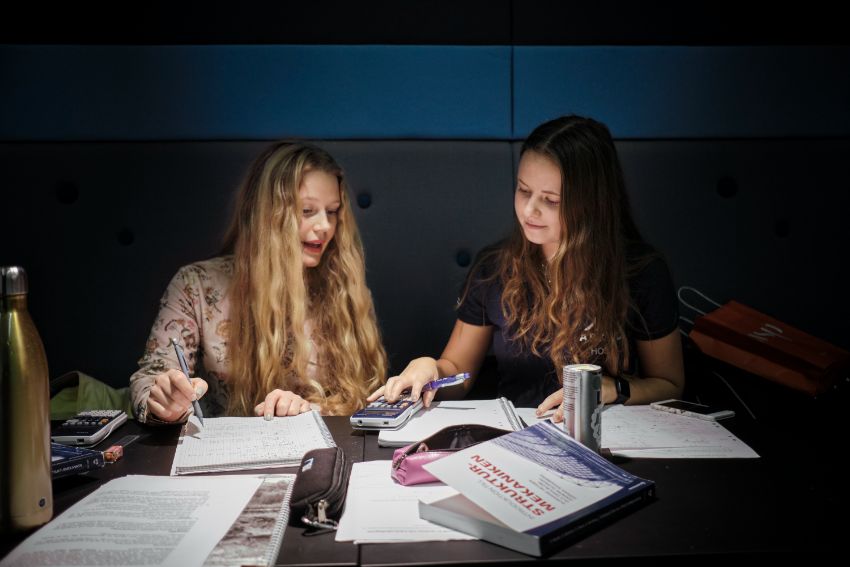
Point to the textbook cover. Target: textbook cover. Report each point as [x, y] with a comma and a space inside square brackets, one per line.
[534, 490]
[66, 460]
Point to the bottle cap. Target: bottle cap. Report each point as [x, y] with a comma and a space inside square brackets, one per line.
[13, 281]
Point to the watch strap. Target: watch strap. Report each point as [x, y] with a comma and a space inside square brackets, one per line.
[624, 390]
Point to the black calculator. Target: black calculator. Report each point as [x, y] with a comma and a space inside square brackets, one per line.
[88, 427]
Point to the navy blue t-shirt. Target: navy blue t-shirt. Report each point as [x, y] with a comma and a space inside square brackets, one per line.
[526, 379]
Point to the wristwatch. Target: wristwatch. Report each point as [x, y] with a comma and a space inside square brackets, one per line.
[624, 390]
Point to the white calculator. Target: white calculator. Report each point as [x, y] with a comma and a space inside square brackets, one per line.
[88, 427]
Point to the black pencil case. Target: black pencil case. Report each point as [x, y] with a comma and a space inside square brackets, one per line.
[318, 495]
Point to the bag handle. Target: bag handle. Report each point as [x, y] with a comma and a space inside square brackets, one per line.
[679, 294]
[699, 293]
[701, 312]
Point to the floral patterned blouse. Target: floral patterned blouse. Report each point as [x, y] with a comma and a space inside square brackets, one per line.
[195, 310]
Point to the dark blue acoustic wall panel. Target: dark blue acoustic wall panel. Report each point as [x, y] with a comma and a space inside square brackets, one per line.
[687, 92]
[90, 93]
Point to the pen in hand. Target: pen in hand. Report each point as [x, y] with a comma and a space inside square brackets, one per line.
[447, 381]
[185, 368]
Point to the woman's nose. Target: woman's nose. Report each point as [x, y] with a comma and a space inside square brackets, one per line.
[321, 223]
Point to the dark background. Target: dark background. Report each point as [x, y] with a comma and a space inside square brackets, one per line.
[467, 22]
[124, 132]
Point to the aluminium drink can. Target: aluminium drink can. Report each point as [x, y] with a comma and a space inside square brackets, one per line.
[582, 404]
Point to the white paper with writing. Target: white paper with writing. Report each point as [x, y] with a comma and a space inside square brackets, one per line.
[141, 520]
[237, 443]
[643, 432]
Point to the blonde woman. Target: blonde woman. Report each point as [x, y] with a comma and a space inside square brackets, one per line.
[575, 282]
[282, 322]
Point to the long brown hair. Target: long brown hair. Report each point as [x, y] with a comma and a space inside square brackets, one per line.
[272, 293]
[575, 306]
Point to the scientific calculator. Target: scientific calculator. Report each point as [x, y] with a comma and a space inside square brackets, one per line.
[381, 414]
[88, 427]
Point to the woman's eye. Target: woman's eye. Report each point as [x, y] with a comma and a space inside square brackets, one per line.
[308, 212]
[523, 191]
[552, 203]
[333, 212]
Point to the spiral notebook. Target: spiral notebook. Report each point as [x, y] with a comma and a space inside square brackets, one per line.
[499, 412]
[243, 443]
[256, 535]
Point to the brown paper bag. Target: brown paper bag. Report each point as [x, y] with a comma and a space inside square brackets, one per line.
[767, 347]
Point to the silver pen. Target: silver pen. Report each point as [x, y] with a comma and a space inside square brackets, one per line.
[185, 367]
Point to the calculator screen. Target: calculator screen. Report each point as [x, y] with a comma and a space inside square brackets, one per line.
[384, 409]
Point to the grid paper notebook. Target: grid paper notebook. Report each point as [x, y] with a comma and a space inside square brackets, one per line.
[240, 443]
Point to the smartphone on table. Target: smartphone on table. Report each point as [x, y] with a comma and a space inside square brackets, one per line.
[692, 409]
[382, 414]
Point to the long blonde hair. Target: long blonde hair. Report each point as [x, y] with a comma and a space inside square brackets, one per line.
[272, 293]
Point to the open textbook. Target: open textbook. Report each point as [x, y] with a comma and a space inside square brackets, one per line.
[534, 490]
[239, 443]
[498, 413]
[161, 520]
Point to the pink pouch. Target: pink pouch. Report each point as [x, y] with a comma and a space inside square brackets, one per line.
[407, 467]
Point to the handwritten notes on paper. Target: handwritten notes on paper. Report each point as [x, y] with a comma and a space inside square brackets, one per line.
[642, 432]
[237, 443]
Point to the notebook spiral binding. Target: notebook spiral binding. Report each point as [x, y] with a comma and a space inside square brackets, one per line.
[273, 549]
[510, 412]
[323, 428]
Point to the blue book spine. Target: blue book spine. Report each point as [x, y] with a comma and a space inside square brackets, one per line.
[66, 461]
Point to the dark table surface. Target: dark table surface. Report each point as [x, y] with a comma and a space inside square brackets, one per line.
[781, 504]
[784, 503]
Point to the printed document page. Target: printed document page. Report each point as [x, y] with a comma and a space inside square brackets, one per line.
[379, 510]
[141, 520]
[237, 443]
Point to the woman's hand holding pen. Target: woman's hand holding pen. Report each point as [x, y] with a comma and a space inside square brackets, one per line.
[281, 403]
[418, 373]
[172, 395]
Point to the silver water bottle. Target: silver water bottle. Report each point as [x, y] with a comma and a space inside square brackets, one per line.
[582, 404]
[26, 498]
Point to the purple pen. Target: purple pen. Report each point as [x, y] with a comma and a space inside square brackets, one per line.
[447, 381]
